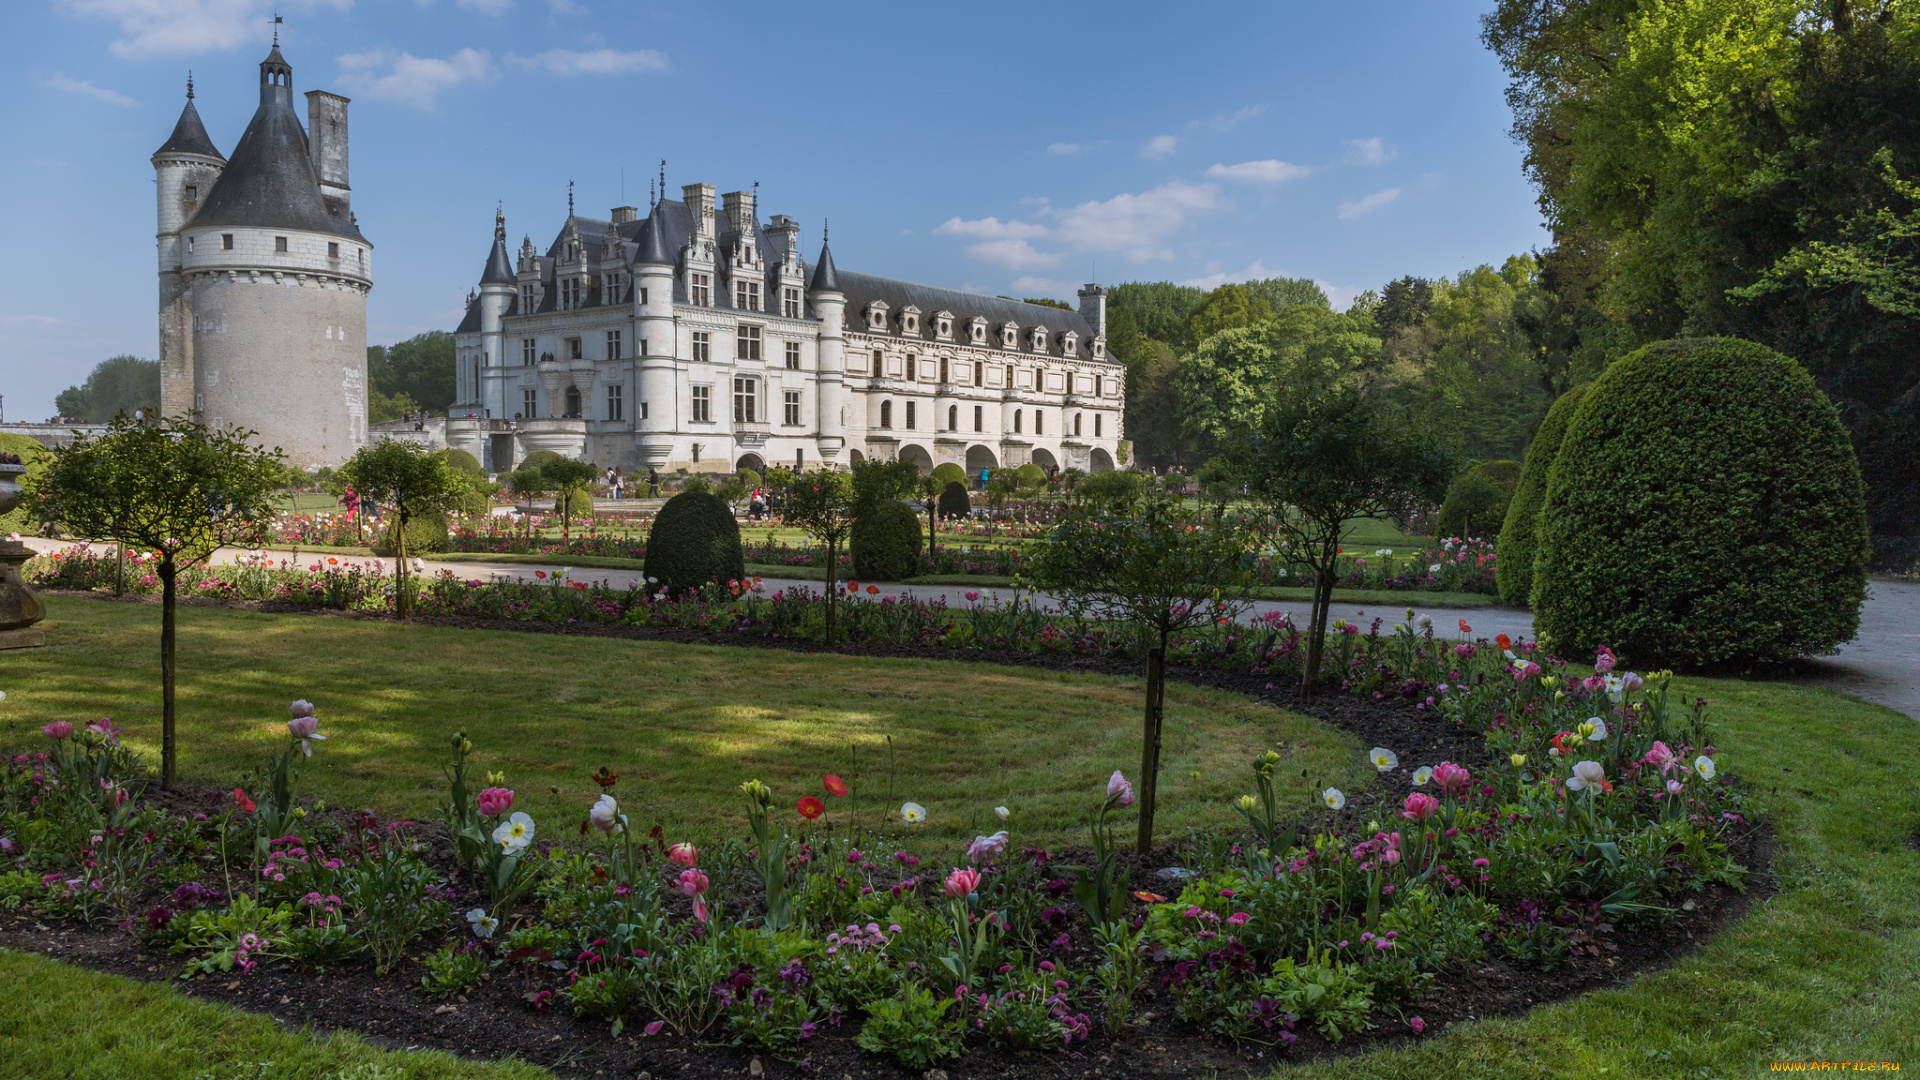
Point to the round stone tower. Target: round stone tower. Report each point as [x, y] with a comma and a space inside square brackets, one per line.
[264, 277]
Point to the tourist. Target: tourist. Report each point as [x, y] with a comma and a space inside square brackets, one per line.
[653, 482]
[756, 504]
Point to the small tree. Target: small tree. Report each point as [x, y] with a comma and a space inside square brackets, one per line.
[568, 480]
[1150, 559]
[526, 485]
[930, 487]
[412, 482]
[1321, 462]
[822, 504]
[175, 487]
[876, 482]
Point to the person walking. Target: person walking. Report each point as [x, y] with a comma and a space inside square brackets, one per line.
[653, 482]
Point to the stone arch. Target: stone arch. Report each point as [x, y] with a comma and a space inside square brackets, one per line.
[979, 457]
[855, 457]
[917, 456]
[1099, 461]
[1044, 458]
[750, 461]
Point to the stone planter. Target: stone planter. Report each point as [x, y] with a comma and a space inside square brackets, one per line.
[19, 608]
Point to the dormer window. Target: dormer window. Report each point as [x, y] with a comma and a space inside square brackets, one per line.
[614, 287]
[746, 295]
[877, 316]
[1038, 342]
[699, 290]
[977, 331]
[1009, 336]
[910, 320]
[943, 324]
[1068, 343]
[1099, 348]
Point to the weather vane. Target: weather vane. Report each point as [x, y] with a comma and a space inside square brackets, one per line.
[277, 20]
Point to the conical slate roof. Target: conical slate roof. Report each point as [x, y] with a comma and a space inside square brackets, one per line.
[189, 136]
[824, 279]
[653, 240]
[499, 267]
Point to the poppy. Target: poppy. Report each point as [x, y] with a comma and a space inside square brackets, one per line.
[853, 586]
[811, 807]
[1503, 641]
[240, 799]
[873, 590]
[1464, 628]
[1146, 897]
[543, 573]
[836, 787]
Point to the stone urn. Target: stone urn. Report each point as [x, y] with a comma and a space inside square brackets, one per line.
[19, 608]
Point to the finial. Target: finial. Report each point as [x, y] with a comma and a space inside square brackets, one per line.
[651, 200]
[500, 222]
[277, 20]
[823, 230]
[569, 198]
[663, 178]
[189, 84]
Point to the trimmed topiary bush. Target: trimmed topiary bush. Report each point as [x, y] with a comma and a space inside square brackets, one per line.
[694, 540]
[1030, 477]
[461, 461]
[538, 458]
[578, 506]
[1705, 508]
[948, 473]
[749, 479]
[1520, 534]
[426, 535]
[954, 502]
[886, 542]
[1476, 502]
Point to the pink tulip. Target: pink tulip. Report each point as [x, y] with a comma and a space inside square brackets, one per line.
[303, 727]
[1524, 670]
[1451, 778]
[1391, 853]
[962, 883]
[1630, 682]
[1119, 792]
[1660, 757]
[302, 708]
[494, 801]
[684, 854]
[1420, 806]
[1604, 661]
[60, 729]
[694, 883]
[985, 850]
[1594, 683]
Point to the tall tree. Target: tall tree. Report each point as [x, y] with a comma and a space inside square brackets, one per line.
[1236, 376]
[175, 487]
[420, 368]
[115, 385]
[1229, 307]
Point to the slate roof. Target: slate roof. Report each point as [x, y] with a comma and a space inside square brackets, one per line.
[189, 136]
[863, 289]
[824, 278]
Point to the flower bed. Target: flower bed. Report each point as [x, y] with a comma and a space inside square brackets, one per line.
[1588, 817]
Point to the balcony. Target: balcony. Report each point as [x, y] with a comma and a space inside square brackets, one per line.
[751, 432]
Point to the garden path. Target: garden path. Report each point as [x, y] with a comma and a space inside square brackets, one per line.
[1881, 665]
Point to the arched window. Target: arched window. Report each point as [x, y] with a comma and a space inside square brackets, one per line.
[953, 418]
[886, 414]
[1016, 421]
[1076, 425]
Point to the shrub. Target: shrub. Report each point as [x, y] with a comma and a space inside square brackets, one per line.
[1030, 477]
[1520, 534]
[35, 457]
[1476, 501]
[426, 535]
[954, 502]
[886, 542]
[462, 462]
[913, 1027]
[1705, 508]
[949, 473]
[538, 458]
[749, 479]
[694, 540]
[1114, 484]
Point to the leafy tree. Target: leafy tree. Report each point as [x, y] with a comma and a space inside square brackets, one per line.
[419, 369]
[1403, 303]
[875, 482]
[172, 486]
[570, 481]
[1283, 293]
[1229, 307]
[409, 480]
[384, 407]
[1237, 375]
[1159, 309]
[822, 505]
[525, 485]
[118, 384]
[1047, 301]
[1150, 559]
[1320, 462]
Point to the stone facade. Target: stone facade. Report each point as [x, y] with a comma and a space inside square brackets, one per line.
[264, 276]
[696, 337]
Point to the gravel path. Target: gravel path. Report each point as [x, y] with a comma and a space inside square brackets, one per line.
[1882, 665]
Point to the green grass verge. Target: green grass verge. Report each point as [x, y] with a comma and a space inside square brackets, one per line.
[683, 725]
[1388, 599]
[62, 1021]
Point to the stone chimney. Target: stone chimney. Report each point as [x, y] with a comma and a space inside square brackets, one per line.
[784, 232]
[327, 145]
[699, 200]
[1093, 308]
[740, 211]
[624, 214]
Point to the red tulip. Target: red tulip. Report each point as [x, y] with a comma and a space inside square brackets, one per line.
[240, 798]
[836, 787]
[811, 807]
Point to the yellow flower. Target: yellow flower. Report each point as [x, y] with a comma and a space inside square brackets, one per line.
[1246, 803]
[1519, 760]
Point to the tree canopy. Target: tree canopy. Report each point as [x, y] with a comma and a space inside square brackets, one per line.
[419, 369]
[115, 385]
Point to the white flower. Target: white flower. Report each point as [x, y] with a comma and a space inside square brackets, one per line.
[1333, 798]
[483, 924]
[1704, 766]
[1421, 775]
[1003, 812]
[1433, 568]
[1615, 685]
[1595, 729]
[1384, 551]
[1424, 621]
[913, 813]
[1587, 774]
[606, 815]
[1383, 759]
[515, 833]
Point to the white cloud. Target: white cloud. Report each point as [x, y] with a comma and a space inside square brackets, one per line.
[1160, 146]
[1222, 123]
[1340, 296]
[176, 27]
[991, 228]
[1371, 151]
[1270, 171]
[1255, 271]
[1023, 287]
[1138, 227]
[1013, 254]
[410, 79]
[1362, 207]
[1065, 148]
[592, 62]
[484, 7]
[61, 82]
[1002, 243]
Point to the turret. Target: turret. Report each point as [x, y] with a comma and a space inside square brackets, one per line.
[830, 305]
[654, 342]
[185, 168]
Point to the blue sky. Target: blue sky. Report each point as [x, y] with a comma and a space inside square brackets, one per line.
[1004, 148]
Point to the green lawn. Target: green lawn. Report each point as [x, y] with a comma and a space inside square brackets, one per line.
[683, 725]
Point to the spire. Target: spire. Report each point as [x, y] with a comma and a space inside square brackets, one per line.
[569, 199]
[189, 84]
[499, 269]
[824, 279]
[189, 134]
[653, 240]
[277, 20]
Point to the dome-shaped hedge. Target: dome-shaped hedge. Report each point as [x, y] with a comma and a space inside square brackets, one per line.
[948, 473]
[426, 535]
[1476, 502]
[461, 461]
[1030, 477]
[953, 501]
[886, 542]
[694, 540]
[1520, 534]
[1705, 508]
[538, 458]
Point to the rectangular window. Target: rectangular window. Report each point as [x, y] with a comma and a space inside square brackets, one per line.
[703, 404]
[226, 241]
[643, 301]
[699, 290]
[526, 299]
[909, 416]
[573, 348]
[746, 295]
[192, 193]
[746, 343]
[743, 401]
[614, 404]
[879, 363]
[978, 418]
[612, 289]
[702, 345]
[643, 410]
[643, 348]
[333, 250]
[793, 356]
[1039, 422]
[529, 406]
[886, 414]
[789, 301]
[1096, 425]
[791, 398]
[527, 354]
[189, 245]
[800, 460]
[1016, 421]
[908, 371]
[1076, 425]
[943, 369]
[569, 293]
[613, 344]
[279, 243]
[979, 373]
